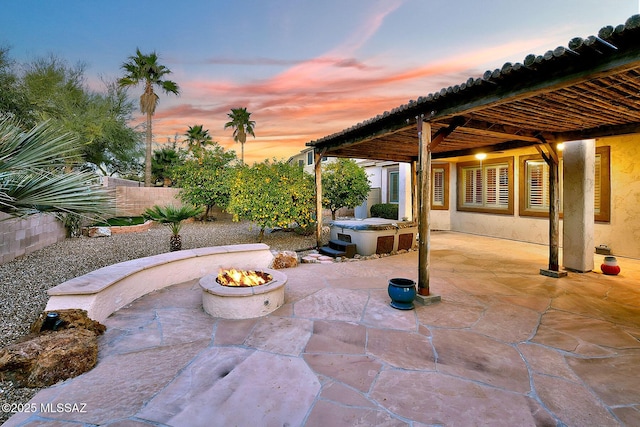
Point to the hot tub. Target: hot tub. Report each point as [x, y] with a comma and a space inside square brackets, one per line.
[375, 235]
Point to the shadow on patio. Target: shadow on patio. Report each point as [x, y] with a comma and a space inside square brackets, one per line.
[506, 346]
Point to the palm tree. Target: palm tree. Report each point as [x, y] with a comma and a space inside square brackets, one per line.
[240, 121]
[198, 139]
[145, 69]
[173, 217]
[32, 177]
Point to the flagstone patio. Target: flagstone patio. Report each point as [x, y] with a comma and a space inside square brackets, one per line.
[506, 346]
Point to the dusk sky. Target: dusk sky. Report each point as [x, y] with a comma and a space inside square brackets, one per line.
[304, 69]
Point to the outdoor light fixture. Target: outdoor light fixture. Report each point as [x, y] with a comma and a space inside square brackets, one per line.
[560, 146]
[481, 156]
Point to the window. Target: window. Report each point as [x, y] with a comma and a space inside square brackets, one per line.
[394, 186]
[534, 185]
[310, 157]
[440, 186]
[300, 162]
[486, 186]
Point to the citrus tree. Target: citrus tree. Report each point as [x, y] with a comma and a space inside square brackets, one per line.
[272, 194]
[206, 180]
[344, 184]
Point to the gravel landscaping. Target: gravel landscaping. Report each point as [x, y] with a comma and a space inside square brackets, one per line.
[24, 282]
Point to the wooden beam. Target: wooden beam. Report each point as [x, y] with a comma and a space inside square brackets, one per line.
[442, 133]
[318, 174]
[554, 213]
[424, 185]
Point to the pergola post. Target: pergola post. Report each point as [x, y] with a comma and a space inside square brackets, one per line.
[553, 161]
[424, 200]
[318, 175]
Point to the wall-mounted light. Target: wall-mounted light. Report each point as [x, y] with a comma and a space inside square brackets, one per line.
[481, 156]
[560, 146]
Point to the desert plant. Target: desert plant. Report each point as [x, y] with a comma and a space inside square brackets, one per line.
[32, 177]
[145, 69]
[173, 217]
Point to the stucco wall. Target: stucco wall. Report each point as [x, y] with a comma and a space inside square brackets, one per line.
[19, 237]
[622, 234]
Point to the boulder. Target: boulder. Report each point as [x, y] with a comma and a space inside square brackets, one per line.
[49, 358]
[285, 259]
[53, 351]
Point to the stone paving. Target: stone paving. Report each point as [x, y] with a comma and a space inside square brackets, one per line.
[506, 346]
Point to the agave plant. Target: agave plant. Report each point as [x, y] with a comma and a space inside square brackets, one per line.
[173, 217]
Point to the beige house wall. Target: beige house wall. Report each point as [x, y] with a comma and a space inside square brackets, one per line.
[621, 233]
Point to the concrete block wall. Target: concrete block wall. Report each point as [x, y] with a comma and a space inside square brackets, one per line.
[19, 237]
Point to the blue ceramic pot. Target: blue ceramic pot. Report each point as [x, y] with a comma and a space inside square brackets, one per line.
[402, 293]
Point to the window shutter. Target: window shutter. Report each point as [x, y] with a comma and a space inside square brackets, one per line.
[438, 187]
[598, 184]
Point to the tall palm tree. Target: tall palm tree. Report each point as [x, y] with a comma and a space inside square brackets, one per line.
[198, 139]
[32, 177]
[240, 121]
[145, 69]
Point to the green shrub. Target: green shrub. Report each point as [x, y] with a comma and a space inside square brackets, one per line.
[120, 221]
[385, 210]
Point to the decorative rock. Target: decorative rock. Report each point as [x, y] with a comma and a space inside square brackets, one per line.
[325, 258]
[309, 259]
[285, 259]
[99, 232]
[72, 318]
[45, 358]
[49, 358]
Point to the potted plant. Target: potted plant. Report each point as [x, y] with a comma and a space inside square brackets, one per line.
[173, 216]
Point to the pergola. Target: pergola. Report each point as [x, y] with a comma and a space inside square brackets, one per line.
[587, 90]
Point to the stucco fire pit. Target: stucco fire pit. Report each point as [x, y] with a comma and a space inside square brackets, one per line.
[236, 302]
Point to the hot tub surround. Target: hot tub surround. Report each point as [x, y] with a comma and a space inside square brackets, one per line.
[375, 235]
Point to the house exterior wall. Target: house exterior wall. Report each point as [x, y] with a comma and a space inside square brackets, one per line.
[621, 233]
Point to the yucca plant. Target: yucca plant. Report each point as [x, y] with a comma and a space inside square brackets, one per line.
[33, 177]
[173, 217]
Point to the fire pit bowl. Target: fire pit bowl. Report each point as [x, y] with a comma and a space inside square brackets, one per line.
[243, 302]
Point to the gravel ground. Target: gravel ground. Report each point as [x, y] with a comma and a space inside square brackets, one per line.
[24, 282]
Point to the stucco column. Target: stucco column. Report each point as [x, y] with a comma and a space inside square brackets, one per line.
[405, 208]
[579, 193]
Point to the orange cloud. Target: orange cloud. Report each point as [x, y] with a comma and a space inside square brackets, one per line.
[319, 96]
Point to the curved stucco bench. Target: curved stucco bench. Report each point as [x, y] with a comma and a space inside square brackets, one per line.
[103, 291]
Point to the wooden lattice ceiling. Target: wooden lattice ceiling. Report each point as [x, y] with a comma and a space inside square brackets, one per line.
[589, 89]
